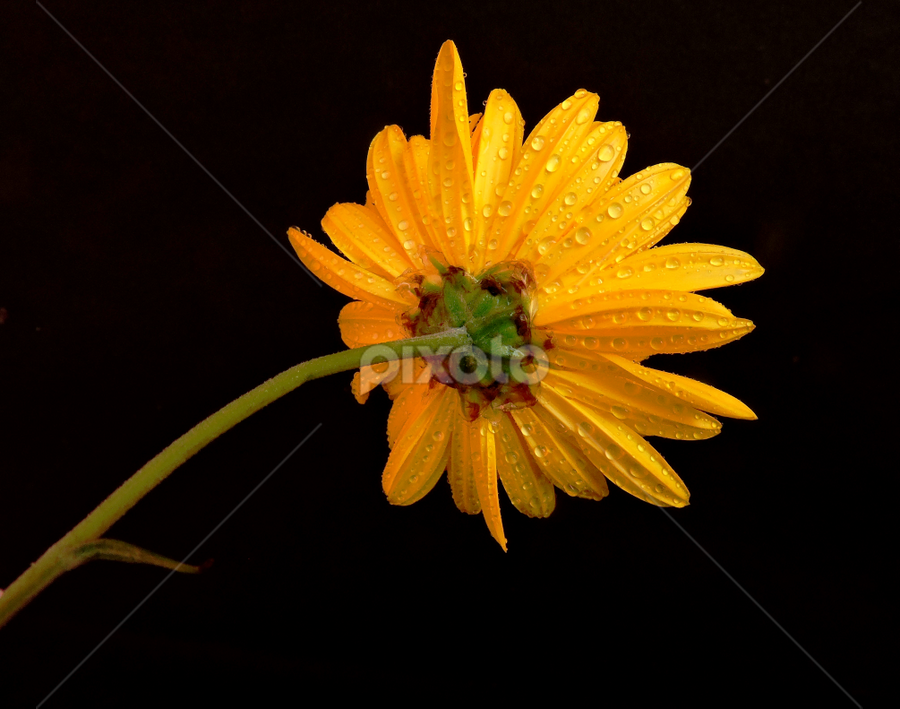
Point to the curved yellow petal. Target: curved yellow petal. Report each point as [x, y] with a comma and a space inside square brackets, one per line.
[638, 324]
[542, 169]
[410, 403]
[631, 217]
[684, 267]
[494, 151]
[529, 490]
[557, 458]
[620, 453]
[700, 395]
[638, 406]
[364, 323]
[415, 166]
[485, 465]
[344, 276]
[461, 468]
[364, 228]
[449, 173]
[594, 169]
[392, 192]
[417, 459]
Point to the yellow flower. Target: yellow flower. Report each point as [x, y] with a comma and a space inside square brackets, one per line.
[529, 243]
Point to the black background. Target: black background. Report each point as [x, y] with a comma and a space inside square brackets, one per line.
[139, 299]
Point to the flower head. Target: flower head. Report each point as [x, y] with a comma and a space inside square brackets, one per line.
[548, 258]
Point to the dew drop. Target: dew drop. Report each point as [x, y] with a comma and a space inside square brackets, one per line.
[614, 210]
[540, 451]
[672, 262]
[614, 452]
[566, 105]
[403, 225]
[508, 117]
[537, 142]
[409, 244]
[645, 188]
[674, 314]
[537, 191]
[583, 235]
[625, 272]
[487, 210]
[647, 224]
[606, 153]
[450, 138]
[503, 153]
[656, 343]
[504, 209]
[716, 261]
[620, 412]
[553, 163]
[467, 223]
[619, 343]
[571, 198]
[645, 314]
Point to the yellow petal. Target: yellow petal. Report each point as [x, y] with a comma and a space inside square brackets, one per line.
[409, 404]
[546, 154]
[347, 244]
[557, 458]
[415, 166]
[528, 489]
[594, 168]
[637, 324]
[643, 408]
[344, 276]
[495, 151]
[417, 458]
[486, 481]
[392, 192]
[364, 323]
[632, 216]
[461, 469]
[367, 378]
[698, 394]
[684, 267]
[450, 158]
[620, 453]
[365, 229]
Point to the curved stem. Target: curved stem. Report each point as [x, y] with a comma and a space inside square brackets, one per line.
[63, 556]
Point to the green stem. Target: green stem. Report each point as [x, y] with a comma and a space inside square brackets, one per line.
[64, 555]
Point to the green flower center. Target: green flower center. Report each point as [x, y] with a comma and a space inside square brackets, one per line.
[501, 367]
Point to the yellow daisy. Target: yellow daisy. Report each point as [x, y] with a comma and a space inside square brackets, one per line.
[533, 245]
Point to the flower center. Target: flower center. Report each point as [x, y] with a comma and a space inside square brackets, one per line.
[502, 366]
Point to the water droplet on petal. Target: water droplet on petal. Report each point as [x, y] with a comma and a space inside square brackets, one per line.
[614, 210]
[504, 209]
[673, 262]
[583, 235]
[537, 142]
[553, 163]
[537, 191]
[606, 153]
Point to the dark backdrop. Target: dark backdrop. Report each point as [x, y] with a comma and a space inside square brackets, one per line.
[138, 298]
